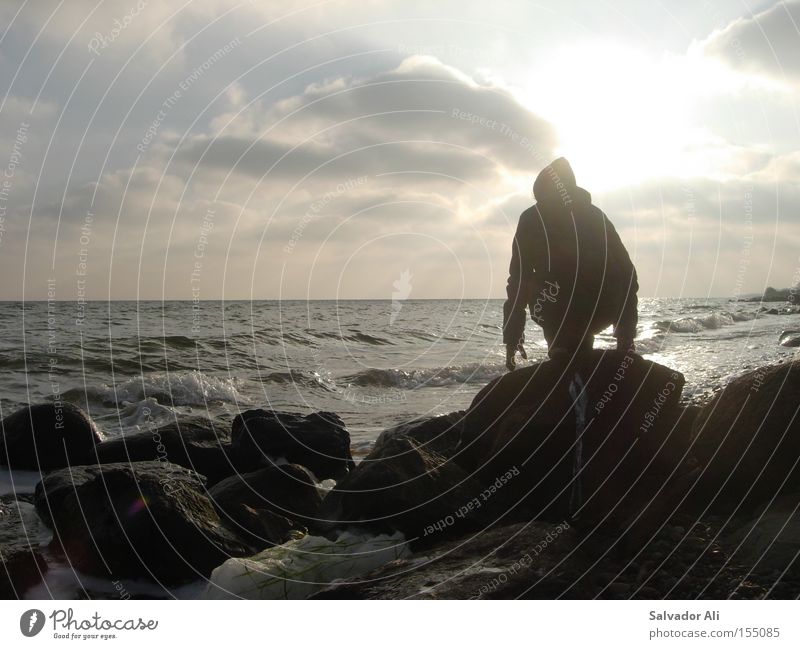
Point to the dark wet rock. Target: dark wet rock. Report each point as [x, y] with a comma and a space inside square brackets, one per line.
[790, 338]
[192, 442]
[21, 562]
[440, 434]
[287, 490]
[319, 441]
[528, 560]
[142, 520]
[261, 528]
[748, 439]
[635, 431]
[403, 486]
[46, 436]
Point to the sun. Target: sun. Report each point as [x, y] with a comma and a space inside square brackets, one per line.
[621, 117]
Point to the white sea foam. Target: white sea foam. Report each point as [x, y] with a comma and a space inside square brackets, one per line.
[303, 566]
[184, 388]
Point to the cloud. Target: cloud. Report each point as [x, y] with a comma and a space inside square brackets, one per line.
[766, 43]
[421, 116]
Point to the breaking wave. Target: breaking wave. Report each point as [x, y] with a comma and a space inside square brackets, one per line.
[695, 324]
[428, 377]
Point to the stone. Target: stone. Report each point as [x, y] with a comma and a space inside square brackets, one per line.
[747, 438]
[21, 562]
[140, 520]
[192, 442]
[528, 420]
[440, 434]
[287, 490]
[46, 436]
[789, 338]
[319, 441]
[404, 486]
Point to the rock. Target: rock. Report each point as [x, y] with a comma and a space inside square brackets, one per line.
[319, 441]
[21, 562]
[261, 528]
[748, 438]
[140, 520]
[191, 442]
[526, 560]
[526, 421]
[403, 486]
[440, 434]
[771, 540]
[287, 490]
[47, 436]
[790, 338]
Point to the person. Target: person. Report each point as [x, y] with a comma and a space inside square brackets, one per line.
[571, 269]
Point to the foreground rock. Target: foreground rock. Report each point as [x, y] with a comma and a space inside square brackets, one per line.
[192, 442]
[747, 438]
[47, 436]
[266, 504]
[440, 434]
[404, 485]
[578, 450]
[21, 562]
[142, 519]
[319, 441]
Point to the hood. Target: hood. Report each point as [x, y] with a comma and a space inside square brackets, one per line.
[556, 183]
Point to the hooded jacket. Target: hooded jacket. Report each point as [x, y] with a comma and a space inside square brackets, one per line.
[564, 239]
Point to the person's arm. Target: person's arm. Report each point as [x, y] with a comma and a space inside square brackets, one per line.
[625, 327]
[518, 290]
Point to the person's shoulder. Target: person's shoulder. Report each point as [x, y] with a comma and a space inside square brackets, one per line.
[530, 214]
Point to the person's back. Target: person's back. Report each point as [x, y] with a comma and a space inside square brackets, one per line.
[570, 268]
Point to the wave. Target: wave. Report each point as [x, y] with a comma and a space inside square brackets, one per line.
[428, 377]
[300, 378]
[696, 324]
[184, 388]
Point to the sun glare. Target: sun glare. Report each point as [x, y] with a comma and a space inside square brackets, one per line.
[621, 117]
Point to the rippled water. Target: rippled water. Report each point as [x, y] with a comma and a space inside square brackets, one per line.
[372, 362]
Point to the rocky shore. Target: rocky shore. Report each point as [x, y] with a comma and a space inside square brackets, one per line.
[589, 479]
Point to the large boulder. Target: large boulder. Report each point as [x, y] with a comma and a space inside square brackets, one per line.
[580, 434]
[47, 436]
[192, 442]
[21, 562]
[404, 486]
[319, 441]
[748, 438]
[287, 490]
[440, 434]
[141, 519]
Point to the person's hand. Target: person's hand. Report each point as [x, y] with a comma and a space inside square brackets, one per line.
[626, 345]
[511, 352]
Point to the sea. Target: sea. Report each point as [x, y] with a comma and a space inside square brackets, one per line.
[376, 363]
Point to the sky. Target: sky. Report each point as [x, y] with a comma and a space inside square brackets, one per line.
[329, 149]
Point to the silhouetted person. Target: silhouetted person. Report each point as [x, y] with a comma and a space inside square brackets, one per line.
[570, 268]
